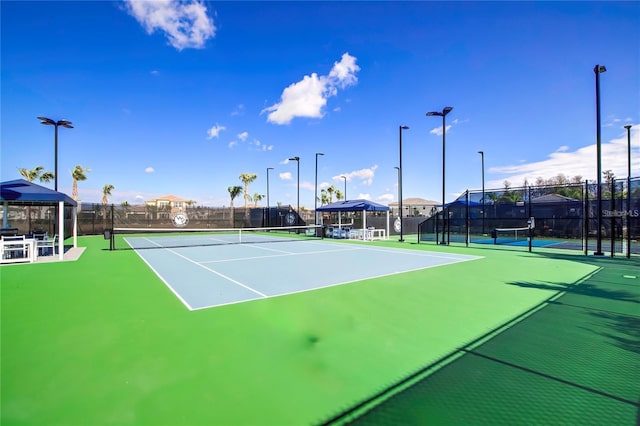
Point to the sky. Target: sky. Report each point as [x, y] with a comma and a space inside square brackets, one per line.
[181, 97]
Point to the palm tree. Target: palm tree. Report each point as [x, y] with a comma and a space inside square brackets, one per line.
[106, 191]
[125, 208]
[32, 175]
[256, 198]
[339, 195]
[330, 191]
[78, 174]
[247, 178]
[324, 197]
[234, 191]
[36, 173]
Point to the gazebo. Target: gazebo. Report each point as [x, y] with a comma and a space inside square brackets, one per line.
[360, 205]
[25, 193]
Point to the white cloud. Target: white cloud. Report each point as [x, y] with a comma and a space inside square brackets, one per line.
[232, 144]
[214, 131]
[262, 147]
[149, 170]
[362, 196]
[307, 185]
[438, 130]
[344, 72]
[285, 161]
[239, 110]
[581, 162]
[285, 176]
[184, 23]
[243, 136]
[308, 97]
[364, 175]
[386, 198]
[155, 72]
[139, 197]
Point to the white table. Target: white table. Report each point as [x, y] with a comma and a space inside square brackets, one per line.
[12, 245]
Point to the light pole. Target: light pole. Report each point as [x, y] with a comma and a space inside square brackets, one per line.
[628, 127]
[598, 69]
[268, 205]
[345, 187]
[443, 114]
[482, 155]
[401, 128]
[49, 122]
[297, 160]
[315, 191]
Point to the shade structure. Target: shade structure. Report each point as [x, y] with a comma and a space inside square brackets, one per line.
[359, 205]
[23, 192]
[353, 206]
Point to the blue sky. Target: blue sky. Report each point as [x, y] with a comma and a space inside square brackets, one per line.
[182, 97]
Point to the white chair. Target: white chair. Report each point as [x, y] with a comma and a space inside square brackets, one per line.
[48, 245]
[39, 235]
[14, 247]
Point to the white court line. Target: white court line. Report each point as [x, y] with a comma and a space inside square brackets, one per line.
[284, 254]
[468, 259]
[211, 270]
[343, 247]
[173, 290]
[269, 249]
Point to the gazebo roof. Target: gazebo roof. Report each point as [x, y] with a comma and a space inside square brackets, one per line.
[25, 192]
[353, 206]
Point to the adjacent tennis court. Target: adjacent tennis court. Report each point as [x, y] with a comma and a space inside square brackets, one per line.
[217, 268]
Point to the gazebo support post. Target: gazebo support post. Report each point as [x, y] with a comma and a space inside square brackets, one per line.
[61, 230]
[75, 226]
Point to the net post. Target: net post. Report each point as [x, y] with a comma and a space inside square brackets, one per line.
[112, 241]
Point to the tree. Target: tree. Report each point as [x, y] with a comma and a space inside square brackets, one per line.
[330, 190]
[256, 198]
[36, 173]
[106, 191]
[608, 177]
[32, 175]
[324, 197]
[234, 191]
[78, 174]
[339, 195]
[247, 178]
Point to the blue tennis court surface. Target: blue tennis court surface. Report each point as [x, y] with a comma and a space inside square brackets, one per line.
[204, 277]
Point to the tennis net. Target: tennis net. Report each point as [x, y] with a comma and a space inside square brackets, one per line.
[511, 235]
[154, 238]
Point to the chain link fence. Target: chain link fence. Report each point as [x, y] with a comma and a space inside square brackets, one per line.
[566, 217]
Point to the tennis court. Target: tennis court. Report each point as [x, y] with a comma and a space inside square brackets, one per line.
[232, 271]
[102, 341]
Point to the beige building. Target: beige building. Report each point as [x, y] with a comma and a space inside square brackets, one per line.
[168, 205]
[414, 207]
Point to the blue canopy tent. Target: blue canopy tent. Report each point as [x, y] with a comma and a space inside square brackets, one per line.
[23, 192]
[363, 206]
